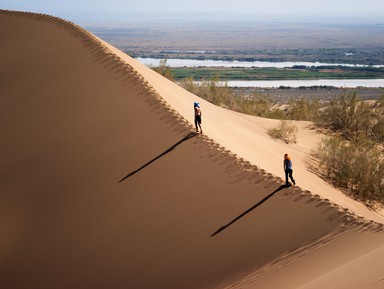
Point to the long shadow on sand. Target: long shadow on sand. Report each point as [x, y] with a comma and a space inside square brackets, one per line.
[248, 211]
[187, 137]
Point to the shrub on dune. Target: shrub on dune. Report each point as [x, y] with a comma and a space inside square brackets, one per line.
[286, 131]
[355, 165]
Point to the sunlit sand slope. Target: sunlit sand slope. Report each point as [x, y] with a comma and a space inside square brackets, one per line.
[103, 184]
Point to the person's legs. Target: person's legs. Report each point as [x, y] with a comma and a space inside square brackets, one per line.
[291, 177]
[198, 123]
[288, 174]
[286, 177]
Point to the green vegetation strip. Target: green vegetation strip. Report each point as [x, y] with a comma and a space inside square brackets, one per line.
[295, 73]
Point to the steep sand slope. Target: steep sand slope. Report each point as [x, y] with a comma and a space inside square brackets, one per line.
[75, 120]
[353, 259]
[247, 137]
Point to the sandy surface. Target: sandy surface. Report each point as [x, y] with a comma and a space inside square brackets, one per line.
[247, 137]
[104, 184]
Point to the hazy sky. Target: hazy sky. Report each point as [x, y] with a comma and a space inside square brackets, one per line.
[101, 10]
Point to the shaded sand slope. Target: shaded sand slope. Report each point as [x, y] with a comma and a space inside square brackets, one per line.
[353, 260]
[74, 121]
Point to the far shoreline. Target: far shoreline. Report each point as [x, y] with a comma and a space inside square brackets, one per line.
[309, 83]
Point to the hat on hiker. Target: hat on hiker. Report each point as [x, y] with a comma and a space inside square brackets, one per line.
[196, 104]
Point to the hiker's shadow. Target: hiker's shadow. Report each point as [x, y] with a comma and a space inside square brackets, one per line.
[187, 137]
[248, 211]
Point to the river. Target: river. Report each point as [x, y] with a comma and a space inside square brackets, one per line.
[346, 83]
[223, 63]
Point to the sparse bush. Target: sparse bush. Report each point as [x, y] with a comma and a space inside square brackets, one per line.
[217, 93]
[213, 91]
[189, 84]
[378, 131]
[340, 112]
[353, 118]
[164, 69]
[304, 109]
[357, 166]
[286, 131]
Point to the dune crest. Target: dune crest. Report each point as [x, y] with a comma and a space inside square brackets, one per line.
[104, 184]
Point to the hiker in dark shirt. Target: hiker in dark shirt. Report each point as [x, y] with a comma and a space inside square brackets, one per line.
[288, 169]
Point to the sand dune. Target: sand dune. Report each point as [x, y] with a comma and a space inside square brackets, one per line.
[104, 184]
